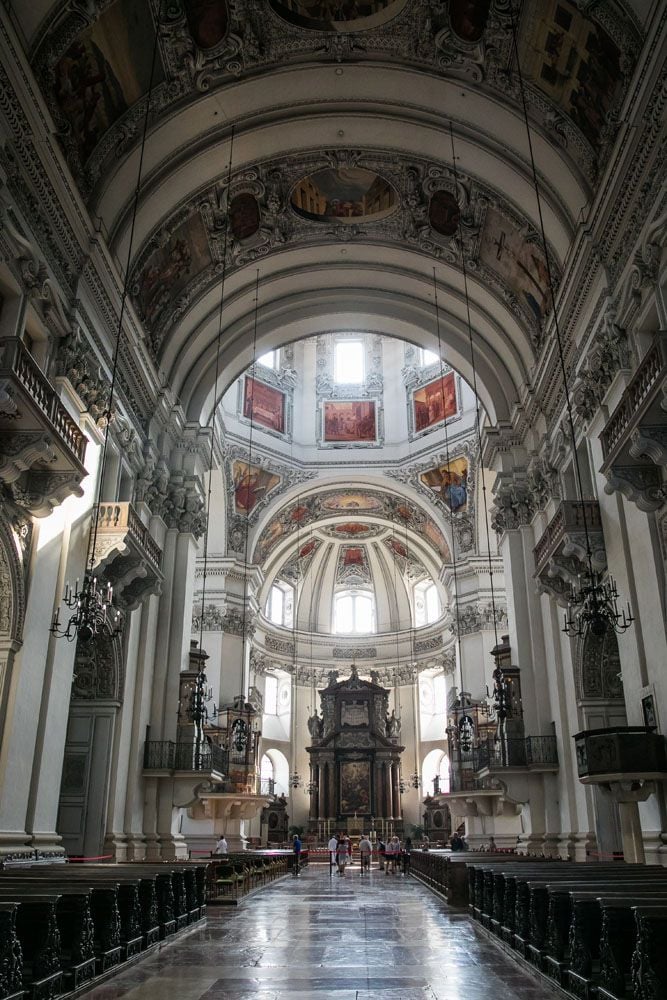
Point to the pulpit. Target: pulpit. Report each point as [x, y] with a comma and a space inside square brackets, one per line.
[355, 756]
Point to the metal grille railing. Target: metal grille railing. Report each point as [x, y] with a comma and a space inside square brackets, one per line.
[524, 752]
[166, 755]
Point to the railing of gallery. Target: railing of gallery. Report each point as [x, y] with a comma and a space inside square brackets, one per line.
[267, 786]
[165, 755]
[529, 751]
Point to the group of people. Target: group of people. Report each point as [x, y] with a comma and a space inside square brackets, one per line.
[392, 857]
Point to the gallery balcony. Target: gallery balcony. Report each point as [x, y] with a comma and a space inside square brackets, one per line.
[190, 770]
[42, 449]
[560, 554]
[620, 754]
[168, 757]
[634, 443]
[528, 753]
[126, 554]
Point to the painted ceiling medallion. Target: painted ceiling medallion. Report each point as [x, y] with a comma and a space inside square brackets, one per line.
[468, 19]
[444, 213]
[338, 15]
[208, 22]
[244, 216]
[344, 194]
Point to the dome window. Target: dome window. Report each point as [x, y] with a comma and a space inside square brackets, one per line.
[354, 612]
[280, 605]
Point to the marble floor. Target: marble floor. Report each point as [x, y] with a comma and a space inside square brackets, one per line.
[332, 938]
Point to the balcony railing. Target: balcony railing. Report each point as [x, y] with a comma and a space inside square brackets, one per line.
[568, 518]
[17, 363]
[121, 516]
[637, 396]
[630, 751]
[528, 751]
[166, 755]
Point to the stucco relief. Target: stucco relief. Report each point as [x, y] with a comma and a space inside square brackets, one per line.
[470, 41]
[494, 237]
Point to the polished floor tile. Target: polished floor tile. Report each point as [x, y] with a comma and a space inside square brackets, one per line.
[323, 937]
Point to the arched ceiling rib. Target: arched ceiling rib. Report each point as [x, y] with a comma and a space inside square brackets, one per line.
[406, 315]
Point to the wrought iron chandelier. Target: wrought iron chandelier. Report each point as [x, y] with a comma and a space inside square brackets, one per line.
[93, 612]
[466, 733]
[295, 780]
[593, 608]
[592, 603]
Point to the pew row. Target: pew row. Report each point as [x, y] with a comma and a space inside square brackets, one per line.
[589, 928]
[64, 926]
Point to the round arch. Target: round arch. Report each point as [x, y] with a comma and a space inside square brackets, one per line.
[435, 767]
[275, 767]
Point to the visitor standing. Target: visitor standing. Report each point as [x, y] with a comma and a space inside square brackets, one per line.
[221, 847]
[343, 854]
[406, 855]
[365, 850]
[395, 854]
[332, 847]
[382, 853]
[296, 848]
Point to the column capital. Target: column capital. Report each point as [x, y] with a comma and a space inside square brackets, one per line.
[514, 506]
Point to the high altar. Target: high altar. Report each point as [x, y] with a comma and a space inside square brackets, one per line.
[354, 756]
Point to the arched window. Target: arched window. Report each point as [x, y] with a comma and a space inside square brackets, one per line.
[273, 767]
[427, 603]
[280, 605]
[435, 773]
[354, 612]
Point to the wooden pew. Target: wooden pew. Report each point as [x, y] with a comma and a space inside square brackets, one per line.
[128, 899]
[649, 962]
[88, 920]
[11, 954]
[39, 937]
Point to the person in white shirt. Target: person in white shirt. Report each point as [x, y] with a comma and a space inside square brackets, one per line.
[221, 847]
[365, 850]
[332, 846]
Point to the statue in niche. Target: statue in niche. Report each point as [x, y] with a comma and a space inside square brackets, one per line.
[316, 726]
[393, 725]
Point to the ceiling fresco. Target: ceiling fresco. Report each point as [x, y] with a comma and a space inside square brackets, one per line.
[576, 62]
[498, 243]
[343, 194]
[337, 15]
[305, 511]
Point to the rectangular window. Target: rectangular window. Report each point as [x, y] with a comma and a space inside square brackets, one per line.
[349, 362]
[428, 357]
[269, 360]
[271, 695]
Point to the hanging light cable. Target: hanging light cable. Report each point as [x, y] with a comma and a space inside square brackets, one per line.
[402, 785]
[500, 691]
[295, 778]
[312, 786]
[593, 604]
[93, 612]
[466, 728]
[240, 735]
[201, 694]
